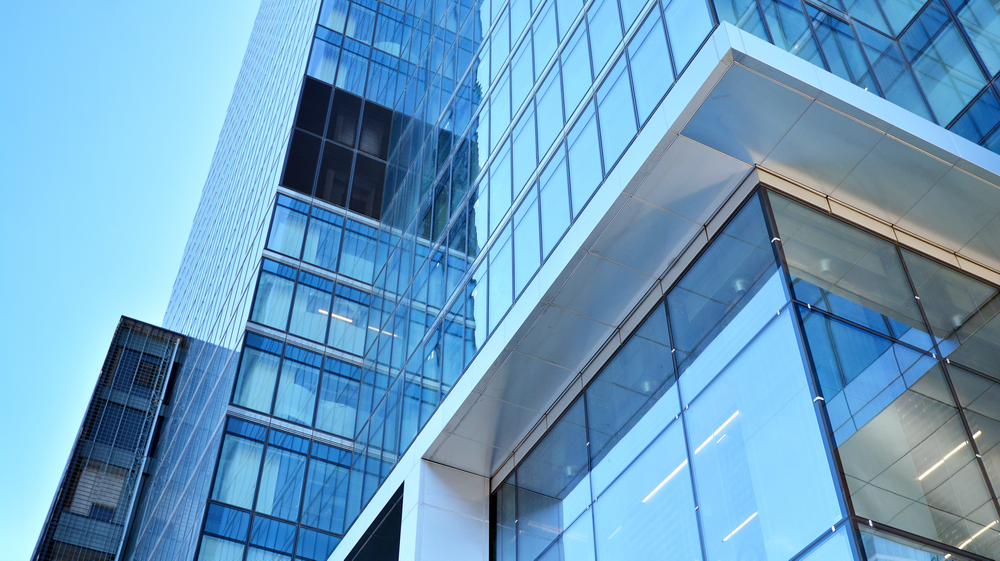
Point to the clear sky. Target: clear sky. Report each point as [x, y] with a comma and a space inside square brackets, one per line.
[109, 115]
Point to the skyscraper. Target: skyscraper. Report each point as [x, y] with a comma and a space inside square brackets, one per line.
[592, 280]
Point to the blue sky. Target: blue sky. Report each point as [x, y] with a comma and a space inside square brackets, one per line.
[109, 115]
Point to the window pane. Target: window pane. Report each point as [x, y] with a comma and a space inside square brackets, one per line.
[255, 383]
[948, 74]
[527, 243]
[843, 53]
[227, 522]
[631, 400]
[501, 277]
[310, 313]
[585, 172]
[296, 392]
[741, 13]
[617, 115]
[338, 404]
[790, 30]
[274, 296]
[272, 534]
[762, 472]
[981, 19]
[649, 511]
[349, 320]
[980, 401]
[963, 313]
[236, 478]
[524, 157]
[281, 483]
[843, 270]
[214, 549]
[323, 61]
[605, 31]
[688, 24]
[287, 231]
[315, 546]
[326, 496]
[322, 244]
[576, 69]
[554, 200]
[553, 484]
[648, 49]
[726, 297]
[357, 259]
[254, 554]
[549, 109]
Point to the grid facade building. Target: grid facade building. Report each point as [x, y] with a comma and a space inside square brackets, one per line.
[557, 279]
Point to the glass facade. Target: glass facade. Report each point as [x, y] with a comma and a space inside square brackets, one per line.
[356, 248]
[796, 394]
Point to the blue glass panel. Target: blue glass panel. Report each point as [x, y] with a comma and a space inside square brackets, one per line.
[523, 155]
[648, 49]
[836, 547]
[688, 24]
[790, 30]
[842, 51]
[272, 534]
[980, 118]
[281, 483]
[227, 522]
[501, 277]
[649, 512]
[244, 428]
[741, 13]
[545, 37]
[760, 466]
[554, 200]
[527, 243]
[287, 231]
[585, 171]
[549, 109]
[322, 245]
[315, 546]
[576, 69]
[323, 61]
[981, 20]
[892, 75]
[256, 379]
[236, 475]
[616, 112]
[296, 397]
[603, 21]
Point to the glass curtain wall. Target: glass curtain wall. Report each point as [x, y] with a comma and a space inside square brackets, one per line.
[791, 397]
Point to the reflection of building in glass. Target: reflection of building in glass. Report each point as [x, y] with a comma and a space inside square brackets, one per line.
[593, 280]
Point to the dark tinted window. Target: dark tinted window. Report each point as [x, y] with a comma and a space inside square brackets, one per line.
[375, 129]
[334, 174]
[343, 126]
[366, 195]
[300, 169]
[313, 105]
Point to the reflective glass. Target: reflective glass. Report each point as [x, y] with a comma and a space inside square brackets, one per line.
[323, 61]
[254, 554]
[879, 545]
[858, 372]
[724, 299]
[281, 483]
[527, 243]
[790, 30]
[963, 313]
[840, 269]
[549, 108]
[287, 231]
[843, 53]
[741, 13]
[274, 297]
[836, 547]
[576, 543]
[554, 199]
[910, 466]
[349, 320]
[357, 259]
[616, 112]
[296, 397]
[215, 549]
[648, 49]
[585, 172]
[649, 512]
[255, 382]
[504, 526]
[227, 522]
[322, 244]
[545, 38]
[338, 403]
[760, 466]
[688, 24]
[272, 534]
[553, 485]
[523, 155]
[980, 118]
[948, 73]
[605, 31]
[576, 69]
[236, 475]
[310, 312]
[326, 496]
[981, 20]
[315, 546]
[501, 277]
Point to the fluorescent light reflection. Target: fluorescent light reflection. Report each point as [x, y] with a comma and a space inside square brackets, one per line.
[664, 482]
[740, 527]
[977, 534]
[717, 431]
[948, 455]
[333, 315]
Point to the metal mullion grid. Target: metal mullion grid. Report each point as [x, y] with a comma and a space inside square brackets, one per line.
[991, 86]
[815, 36]
[819, 403]
[860, 521]
[682, 418]
[943, 362]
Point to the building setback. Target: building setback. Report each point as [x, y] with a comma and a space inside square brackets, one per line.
[592, 280]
